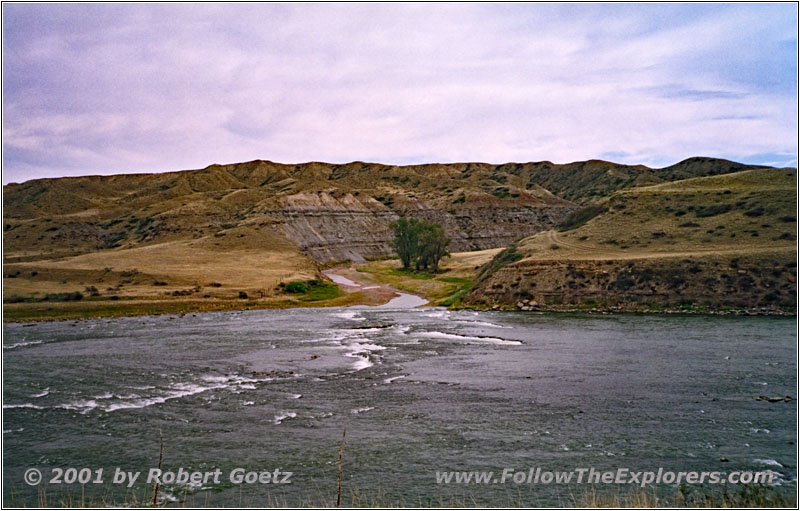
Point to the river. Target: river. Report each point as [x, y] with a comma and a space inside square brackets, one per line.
[419, 390]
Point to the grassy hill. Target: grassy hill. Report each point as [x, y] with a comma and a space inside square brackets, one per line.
[215, 234]
[720, 241]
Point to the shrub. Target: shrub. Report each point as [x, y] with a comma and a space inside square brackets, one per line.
[580, 217]
[755, 212]
[623, 282]
[63, 297]
[242, 295]
[507, 256]
[712, 210]
[296, 286]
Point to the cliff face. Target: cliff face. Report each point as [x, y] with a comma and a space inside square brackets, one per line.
[330, 229]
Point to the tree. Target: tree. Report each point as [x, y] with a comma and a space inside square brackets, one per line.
[432, 246]
[419, 241]
[405, 243]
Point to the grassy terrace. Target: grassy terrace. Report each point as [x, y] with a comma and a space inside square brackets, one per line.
[323, 294]
[444, 288]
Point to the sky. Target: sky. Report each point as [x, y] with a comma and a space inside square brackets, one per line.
[122, 88]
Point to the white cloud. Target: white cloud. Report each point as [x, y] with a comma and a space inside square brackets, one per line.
[149, 87]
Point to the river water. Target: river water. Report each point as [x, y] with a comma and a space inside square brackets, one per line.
[419, 391]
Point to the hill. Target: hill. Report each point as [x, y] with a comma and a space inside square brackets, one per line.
[242, 229]
[710, 242]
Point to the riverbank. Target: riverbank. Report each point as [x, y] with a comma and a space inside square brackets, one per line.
[371, 283]
[351, 288]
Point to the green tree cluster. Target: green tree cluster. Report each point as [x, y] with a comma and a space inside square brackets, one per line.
[419, 242]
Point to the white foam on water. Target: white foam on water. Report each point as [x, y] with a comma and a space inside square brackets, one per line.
[248, 403]
[437, 314]
[362, 410]
[295, 396]
[283, 416]
[81, 405]
[367, 347]
[21, 345]
[6, 431]
[127, 396]
[41, 394]
[179, 390]
[361, 351]
[393, 378]
[362, 361]
[467, 338]
[481, 323]
[349, 315]
[24, 405]
[768, 461]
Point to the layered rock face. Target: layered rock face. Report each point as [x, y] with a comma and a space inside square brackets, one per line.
[331, 229]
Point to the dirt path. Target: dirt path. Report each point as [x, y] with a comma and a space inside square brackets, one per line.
[553, 237]
[351, 281]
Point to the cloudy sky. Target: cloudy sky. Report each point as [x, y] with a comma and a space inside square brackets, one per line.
[115, 88]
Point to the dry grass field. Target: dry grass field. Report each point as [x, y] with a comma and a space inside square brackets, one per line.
[749, 211]
[725, 241]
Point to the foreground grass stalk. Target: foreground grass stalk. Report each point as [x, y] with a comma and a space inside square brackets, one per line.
[339, 475]
[160, 460]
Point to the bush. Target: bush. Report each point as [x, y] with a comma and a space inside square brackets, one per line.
[314, 290]
[296, 286]
[63, 297]
[713, 210]
[507, 256]
[623, 282]
[755, 212]
[579, 217]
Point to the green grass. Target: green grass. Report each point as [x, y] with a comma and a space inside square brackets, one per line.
[414, 274]
[322, 291]
[313, 290]
[580, 217]
[464, 287]
[507, 256]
